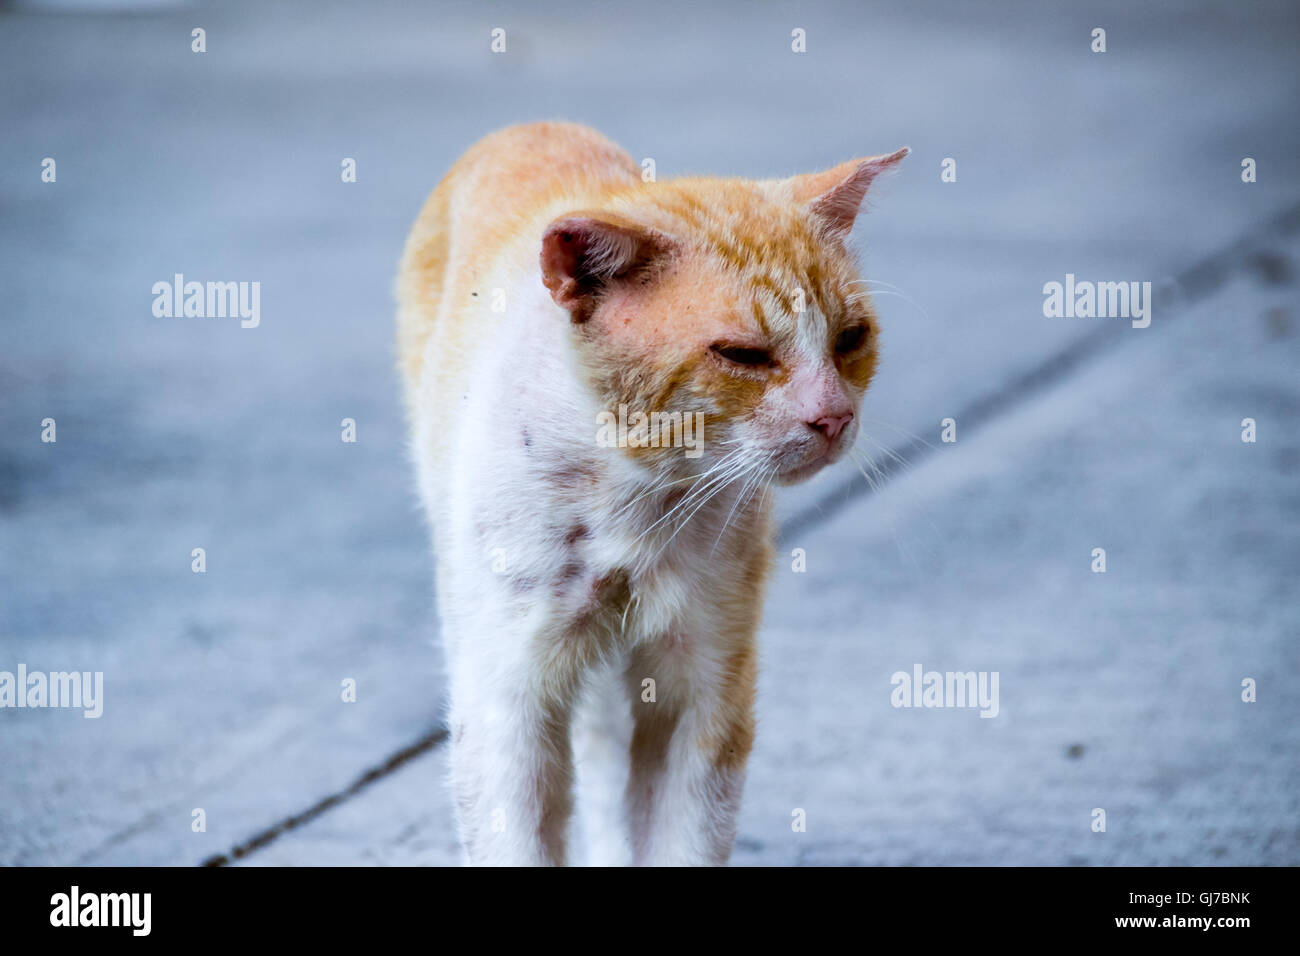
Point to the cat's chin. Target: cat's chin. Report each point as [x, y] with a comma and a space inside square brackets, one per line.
[801, 473]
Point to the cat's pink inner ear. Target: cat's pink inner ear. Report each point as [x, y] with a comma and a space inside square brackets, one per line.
[836, 195]
[581, 253]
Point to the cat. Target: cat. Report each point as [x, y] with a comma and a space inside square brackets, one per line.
[601, 597]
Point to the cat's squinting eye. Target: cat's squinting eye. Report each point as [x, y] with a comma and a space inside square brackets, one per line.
[743, 356]
[850, 339]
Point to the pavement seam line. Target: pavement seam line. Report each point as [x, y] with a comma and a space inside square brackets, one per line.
[426, 743]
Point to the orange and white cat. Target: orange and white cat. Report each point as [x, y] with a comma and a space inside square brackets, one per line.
[600, 598]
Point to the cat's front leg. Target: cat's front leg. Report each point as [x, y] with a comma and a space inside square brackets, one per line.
[689, 748]
[602, 733]
[511, 758]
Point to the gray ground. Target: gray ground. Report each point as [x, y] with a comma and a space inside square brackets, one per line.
[1119, 691]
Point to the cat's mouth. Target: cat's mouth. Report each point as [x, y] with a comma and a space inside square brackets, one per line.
[806, 462]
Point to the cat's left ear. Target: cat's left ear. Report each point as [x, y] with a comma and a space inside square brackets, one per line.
[583, 253]
[835, 196]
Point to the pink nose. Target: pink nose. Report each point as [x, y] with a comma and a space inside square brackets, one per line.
[831, 425]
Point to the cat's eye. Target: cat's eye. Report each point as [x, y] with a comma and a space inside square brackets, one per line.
[850, 340]
[743, 356]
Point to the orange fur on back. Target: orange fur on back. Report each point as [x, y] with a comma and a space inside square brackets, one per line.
[492, 193]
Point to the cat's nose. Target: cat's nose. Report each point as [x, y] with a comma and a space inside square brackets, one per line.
[831, 425]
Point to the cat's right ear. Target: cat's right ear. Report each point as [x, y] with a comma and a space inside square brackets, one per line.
[582, 254]
[834, 196]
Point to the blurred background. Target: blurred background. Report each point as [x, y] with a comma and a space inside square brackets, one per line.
[1120, 691]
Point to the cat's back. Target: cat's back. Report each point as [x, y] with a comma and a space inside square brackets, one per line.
[495, 197]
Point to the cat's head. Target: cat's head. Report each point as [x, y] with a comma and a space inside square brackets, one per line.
[733, 300]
